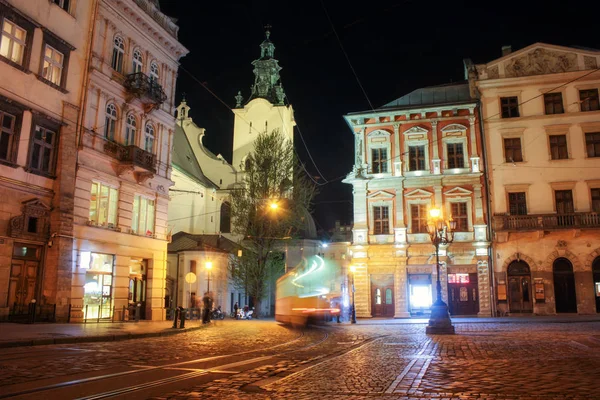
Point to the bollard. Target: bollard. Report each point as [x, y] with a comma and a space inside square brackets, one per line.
[32, 311]
[175, 311]
[181, 318]
[138, 311]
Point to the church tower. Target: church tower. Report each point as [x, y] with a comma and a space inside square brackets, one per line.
[265, 109]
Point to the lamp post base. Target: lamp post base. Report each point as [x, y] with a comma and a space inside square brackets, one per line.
[440, 323]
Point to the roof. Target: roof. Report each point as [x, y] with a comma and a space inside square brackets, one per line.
[183, 241]
[185, 159]
[433, 95]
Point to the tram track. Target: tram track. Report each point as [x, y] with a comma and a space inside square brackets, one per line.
[222, 364]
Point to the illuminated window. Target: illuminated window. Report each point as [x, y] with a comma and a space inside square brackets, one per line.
[118, 53]
[458, 278]
[53, 65]
[378, 296]
[12, 45]
[103, 205]
[142, 220]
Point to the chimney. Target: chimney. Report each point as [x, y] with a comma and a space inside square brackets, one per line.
[506, 50]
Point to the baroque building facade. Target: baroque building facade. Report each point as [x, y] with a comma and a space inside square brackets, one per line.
[124, 163]
[420, 151]
[541, 117]
[43, 56]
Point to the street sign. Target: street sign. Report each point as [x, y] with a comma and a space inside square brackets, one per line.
[190, 277]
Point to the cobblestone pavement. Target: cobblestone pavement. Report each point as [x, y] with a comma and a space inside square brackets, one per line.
[482, 361]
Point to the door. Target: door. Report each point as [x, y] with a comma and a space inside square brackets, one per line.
[137, 294]
[21, 290]
[382, 296]
[97, 298]
[564, 207]
[519, 288]
[596, 276]
[564, 286]
[463, 294]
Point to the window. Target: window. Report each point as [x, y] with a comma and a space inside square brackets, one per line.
[149, 139]
[512, 150]
[42, 153]
[416, 158]
[558, 147]
[138, 64]
[456, 157]
[381, 220]
[130, 130]
[8, 139]
[225, 222]
[53, 65]
[595, 200]
[510, 107]
[553, 103]
[459, 214]
[118, 54]
[64, 4]
[154, 75]
[110, 121]
[418, 218]
[142, 221]
[564, 201]
[103, 205]
[592, 143]
[379, 160]
[517, 204]
[589, 100]
[13, 42]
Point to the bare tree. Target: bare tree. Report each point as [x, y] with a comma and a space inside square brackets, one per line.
[269, 206]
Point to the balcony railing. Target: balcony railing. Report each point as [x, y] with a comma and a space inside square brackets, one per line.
[138, 157]
[127, 155]
[546, 221]
[145, 88]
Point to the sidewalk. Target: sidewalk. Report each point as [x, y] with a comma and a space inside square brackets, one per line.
[14, 335]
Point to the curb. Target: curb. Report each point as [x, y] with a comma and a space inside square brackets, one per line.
[95, 339]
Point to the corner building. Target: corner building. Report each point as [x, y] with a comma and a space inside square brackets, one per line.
[124, 163]
[541, 118]
[419, 151]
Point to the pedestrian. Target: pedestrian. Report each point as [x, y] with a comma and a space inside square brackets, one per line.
[236, 307]
[207, 306]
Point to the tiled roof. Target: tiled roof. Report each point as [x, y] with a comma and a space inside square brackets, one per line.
[433, 95]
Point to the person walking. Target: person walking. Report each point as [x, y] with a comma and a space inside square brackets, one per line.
[236, 307]
[207, 307]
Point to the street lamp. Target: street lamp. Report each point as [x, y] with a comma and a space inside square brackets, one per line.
[208, 266]
[441, 232]
[353, 320]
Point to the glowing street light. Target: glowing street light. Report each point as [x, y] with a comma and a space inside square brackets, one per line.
[353, 271]
[273, 205]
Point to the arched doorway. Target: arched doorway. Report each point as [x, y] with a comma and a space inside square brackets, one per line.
[596, 272]
[564, 286]
[519, 287]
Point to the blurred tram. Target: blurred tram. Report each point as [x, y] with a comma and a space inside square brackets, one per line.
[312, 291]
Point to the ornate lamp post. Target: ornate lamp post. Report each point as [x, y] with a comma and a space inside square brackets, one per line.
[353, 271]
[441, 233]
[208, 266]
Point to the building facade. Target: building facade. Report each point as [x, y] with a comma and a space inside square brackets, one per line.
[420, 151]
[541, 117]
[43, 54]
[124, 163]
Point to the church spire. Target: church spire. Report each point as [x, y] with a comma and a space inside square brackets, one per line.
[267, 84]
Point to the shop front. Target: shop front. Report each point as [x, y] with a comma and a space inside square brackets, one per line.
[420, 294]
[463, 297]
[98, 288]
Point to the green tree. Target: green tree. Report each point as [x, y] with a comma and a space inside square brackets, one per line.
[270, 205]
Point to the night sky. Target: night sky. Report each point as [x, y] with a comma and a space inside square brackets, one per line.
[393, 46]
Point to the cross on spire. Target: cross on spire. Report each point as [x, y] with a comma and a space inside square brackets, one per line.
[268, 30]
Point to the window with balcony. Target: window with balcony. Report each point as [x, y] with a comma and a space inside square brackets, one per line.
[149, 138]
[103, 205]
[589, 100]
[509, 106]
[138, 63]
[9, 139]
[456, 156]
[418, 218]
[110, 121]
[512, 150]
[53, 65]
[553, 103]
[118, 54]
[558, 147]
[379, 160]
[459, 214]
[130, 130]
[595, 200]
[13, 42]
[416, 158]
[142, 221]
[517, 203]
[42, 153]
[592, 144]
[564, 201]
[154, 71]
[381, 221]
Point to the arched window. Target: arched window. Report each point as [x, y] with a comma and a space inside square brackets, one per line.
[247, 164]
[149, 138]
[225, 225]
[130, 130]
[138, 63]
[154, 72]
[110, 121]
[118, 54]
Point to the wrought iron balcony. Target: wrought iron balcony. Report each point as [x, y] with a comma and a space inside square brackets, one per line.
[146, 89]
[138, 157]
[128, 156]
[535, 222]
